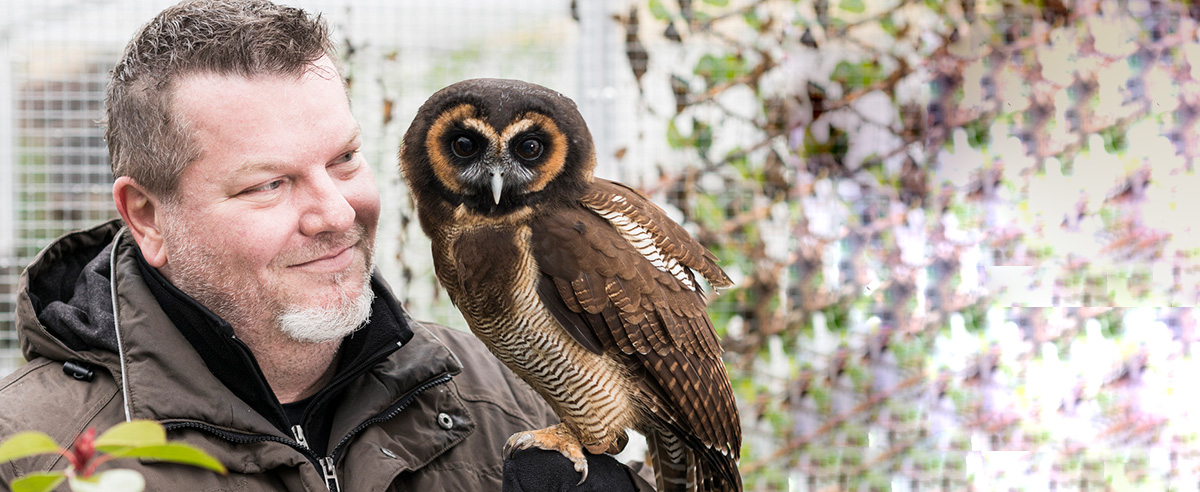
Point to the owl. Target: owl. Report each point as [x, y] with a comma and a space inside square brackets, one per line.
[582, 286]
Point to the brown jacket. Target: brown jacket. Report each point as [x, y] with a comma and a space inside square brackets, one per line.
[432, 415]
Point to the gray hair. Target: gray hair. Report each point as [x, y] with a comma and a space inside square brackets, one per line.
[147, 141]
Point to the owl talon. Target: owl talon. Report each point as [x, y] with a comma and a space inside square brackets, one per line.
[517, 442]
[553, 438]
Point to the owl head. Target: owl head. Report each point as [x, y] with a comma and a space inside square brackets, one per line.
[495, 146]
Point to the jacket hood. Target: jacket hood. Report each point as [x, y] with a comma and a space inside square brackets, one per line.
[65, 309]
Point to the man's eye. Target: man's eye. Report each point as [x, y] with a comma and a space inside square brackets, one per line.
[348, 156]
[266, 187]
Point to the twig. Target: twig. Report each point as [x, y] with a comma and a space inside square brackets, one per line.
[833, 423]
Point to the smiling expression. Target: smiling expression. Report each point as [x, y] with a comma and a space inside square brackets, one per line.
[280, 210]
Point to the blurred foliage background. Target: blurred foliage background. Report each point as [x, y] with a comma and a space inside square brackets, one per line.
[962, 233]
[960, 230]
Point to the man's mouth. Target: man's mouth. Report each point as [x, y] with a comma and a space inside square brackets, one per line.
[335, 261]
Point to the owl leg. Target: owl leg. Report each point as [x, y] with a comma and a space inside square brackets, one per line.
[553, 438]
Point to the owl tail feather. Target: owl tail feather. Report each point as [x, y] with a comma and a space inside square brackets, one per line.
[714, 477]
[678, 468]
[669, 457]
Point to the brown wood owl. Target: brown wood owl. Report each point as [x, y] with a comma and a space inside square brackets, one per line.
[582, 286]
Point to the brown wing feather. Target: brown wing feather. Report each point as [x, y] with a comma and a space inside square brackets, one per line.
[600, 280]
[669, 236]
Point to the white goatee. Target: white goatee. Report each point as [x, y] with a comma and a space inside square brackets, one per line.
[322, 324]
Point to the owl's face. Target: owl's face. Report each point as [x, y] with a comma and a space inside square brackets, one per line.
[497, 145]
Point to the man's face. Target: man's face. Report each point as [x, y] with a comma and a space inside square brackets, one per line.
[278, 214]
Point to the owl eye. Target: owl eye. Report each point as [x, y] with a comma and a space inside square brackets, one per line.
[464, 147]
[529, 149]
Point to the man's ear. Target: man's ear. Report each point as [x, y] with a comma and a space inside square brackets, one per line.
[140, 209]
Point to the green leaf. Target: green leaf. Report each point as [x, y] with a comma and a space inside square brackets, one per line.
[888, 24]
[752, 19]
[717, 3]
[118, 480]
[703, 136]
[853, 6]
[174, 453]
[674, 138]
[132, 434]
[706, 66]
[659, 11]
[720, 70]
[38, 482]
[857, 74]
[28, 443]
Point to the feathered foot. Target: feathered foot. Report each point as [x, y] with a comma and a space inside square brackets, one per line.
[553, 438]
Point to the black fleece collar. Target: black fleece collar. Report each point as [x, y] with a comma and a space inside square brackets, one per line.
[234, 365]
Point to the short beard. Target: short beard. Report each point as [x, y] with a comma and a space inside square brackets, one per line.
[231, 299]
[329, 323]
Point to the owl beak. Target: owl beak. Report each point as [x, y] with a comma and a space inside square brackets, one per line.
[497, 184]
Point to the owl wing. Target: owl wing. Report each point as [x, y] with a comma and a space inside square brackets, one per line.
[617, 273]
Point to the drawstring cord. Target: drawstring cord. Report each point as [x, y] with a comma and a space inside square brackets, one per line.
[112, 276]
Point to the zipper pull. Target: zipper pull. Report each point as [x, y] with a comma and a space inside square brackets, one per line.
[298, 432]
[327, 469]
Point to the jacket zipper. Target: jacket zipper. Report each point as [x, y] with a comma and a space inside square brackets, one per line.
[298, 431]
[327, 465]
[330, 474]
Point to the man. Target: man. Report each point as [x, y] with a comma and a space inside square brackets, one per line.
[235, 302]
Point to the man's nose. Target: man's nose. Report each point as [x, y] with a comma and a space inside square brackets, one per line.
[325, 208]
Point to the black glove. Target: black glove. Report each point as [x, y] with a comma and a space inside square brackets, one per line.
[538, 470]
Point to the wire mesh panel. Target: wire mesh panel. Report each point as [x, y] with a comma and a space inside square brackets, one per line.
[55, 57]
[61, 176]
[62, 165]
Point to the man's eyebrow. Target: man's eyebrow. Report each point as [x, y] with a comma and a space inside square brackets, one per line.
[269, 166]
[252, 167]
[354, 136]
